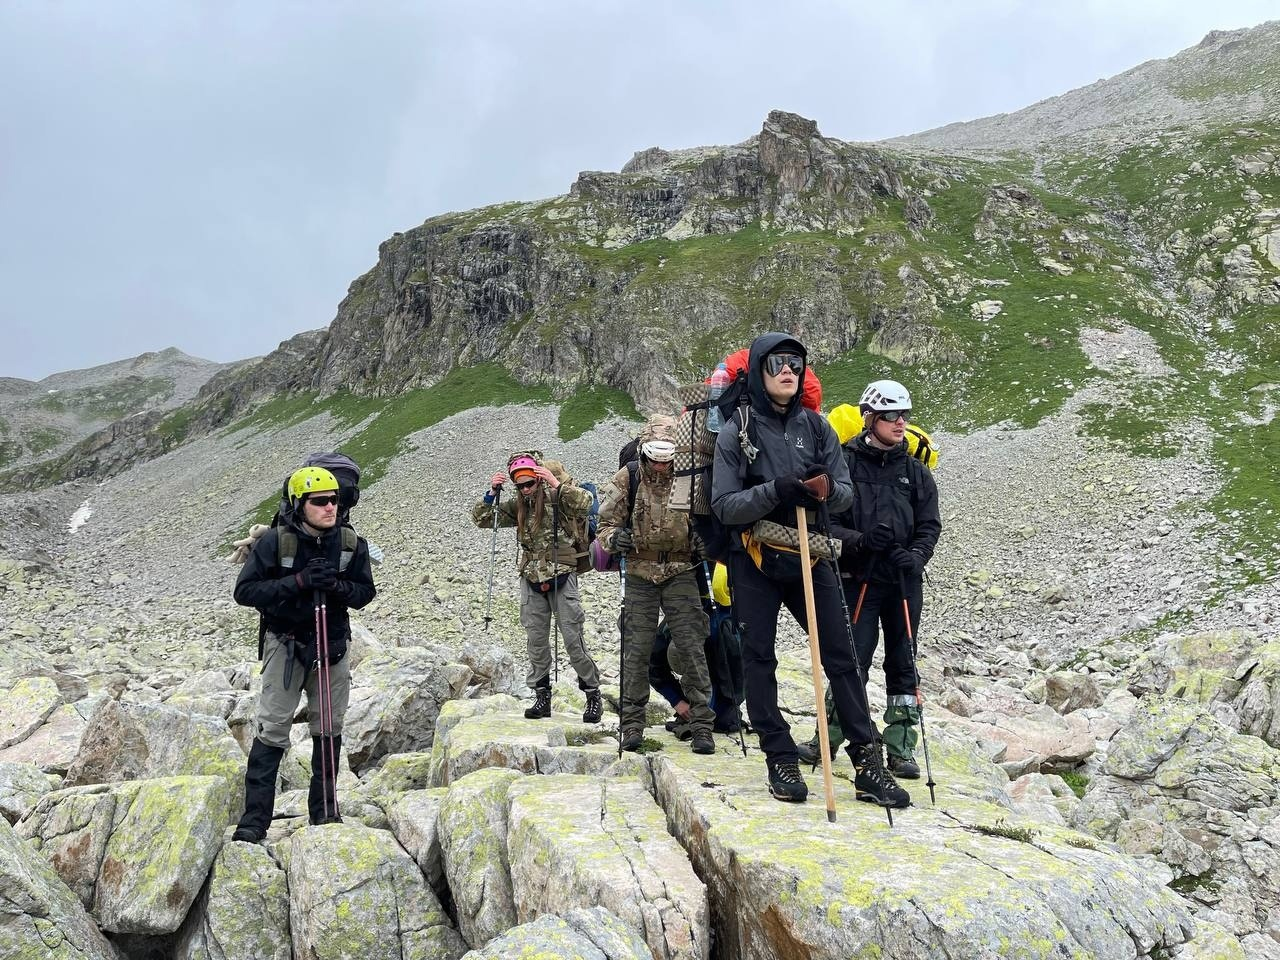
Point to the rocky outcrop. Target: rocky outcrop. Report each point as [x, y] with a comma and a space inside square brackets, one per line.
[582, 934]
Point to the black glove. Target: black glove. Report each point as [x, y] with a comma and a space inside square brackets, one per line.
[850, 542]
[908, 561]
[316, 575]
[791, 492]
[878, 538]
[622, 540]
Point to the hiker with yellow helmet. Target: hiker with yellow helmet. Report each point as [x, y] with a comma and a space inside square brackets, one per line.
[308, 564]
[887, 536]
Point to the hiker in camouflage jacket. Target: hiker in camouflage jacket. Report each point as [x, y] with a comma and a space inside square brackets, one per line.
[545, 494]
[654, 539]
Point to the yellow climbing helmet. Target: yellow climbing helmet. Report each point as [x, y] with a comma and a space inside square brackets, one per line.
[310, 480]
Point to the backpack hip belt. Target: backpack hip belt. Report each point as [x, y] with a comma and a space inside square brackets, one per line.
[787, 538]
[659, 556]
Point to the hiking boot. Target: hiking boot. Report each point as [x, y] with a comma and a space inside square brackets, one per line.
[785, 782]
[595, 707]
[541, 705]
[679, 728]
[703, 742]
[248, 835]
[324, 820]
[872, 781]
[631, 740]
[904, 768]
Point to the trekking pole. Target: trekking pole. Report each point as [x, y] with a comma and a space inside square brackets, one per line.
[555, 580]
[848, 624]
[915, 671]
[622, 640]
[493, 558]
[733, 625]
[811, 609]
[328, 761]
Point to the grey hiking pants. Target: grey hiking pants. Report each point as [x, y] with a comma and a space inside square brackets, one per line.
[535, 617]
[679, 600]
[277, 703]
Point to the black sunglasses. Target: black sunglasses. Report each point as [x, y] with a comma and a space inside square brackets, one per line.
[774, 363]
[328, 501]
[893, 416]
[527, 485]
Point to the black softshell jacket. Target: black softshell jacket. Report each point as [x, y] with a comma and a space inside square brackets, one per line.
[893, 488]
[790, 443]
[289, 610]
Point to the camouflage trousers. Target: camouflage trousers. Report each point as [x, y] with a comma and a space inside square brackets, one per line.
[536, 608]
[679, 601]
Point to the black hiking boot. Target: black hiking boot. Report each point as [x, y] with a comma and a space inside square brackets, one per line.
[680, 728]
[703, 742]
[631, 740]
[259, 791]
[808, 751]
[904, 768]
[541, 708]
[595, 707]
[785, 782]
[322, 794]
[873, 782]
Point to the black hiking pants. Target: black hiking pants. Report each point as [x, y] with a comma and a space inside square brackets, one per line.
[882, 608]
[756, 602]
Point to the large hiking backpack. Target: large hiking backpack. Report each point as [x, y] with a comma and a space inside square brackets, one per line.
[580, 531]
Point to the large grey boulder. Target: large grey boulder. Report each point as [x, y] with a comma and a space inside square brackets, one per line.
[414, 819]
[218, 692]
[39, 916]
[473, 840]
[965, 880]
[578, 841]
[54, 746]
[243, 912]
[138, 852]
[582, 934]
[1181, 786]
[134, 741]
[476, 734]
[356, 895]
[396, 696]
[24, 706]
[21, 785]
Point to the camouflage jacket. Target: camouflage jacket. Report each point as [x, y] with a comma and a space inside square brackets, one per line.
[536, 561]
[660, 533]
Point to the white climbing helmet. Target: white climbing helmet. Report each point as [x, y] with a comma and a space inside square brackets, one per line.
[882, 395]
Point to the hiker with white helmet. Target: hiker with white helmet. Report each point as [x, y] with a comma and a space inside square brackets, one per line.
[302, 576]
[638, 522]
[545, 504]
[887, 536]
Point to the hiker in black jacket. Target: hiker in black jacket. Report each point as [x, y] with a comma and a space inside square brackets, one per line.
[887, 537]
[762, 479]
[290, 566]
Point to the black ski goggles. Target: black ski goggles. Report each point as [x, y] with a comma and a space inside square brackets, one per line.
[774, 363]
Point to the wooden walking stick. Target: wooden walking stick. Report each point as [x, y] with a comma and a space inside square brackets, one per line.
[811, 609]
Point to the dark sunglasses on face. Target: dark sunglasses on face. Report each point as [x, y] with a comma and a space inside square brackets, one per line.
[328, 501]
[527, 485]
[893, 416]
[774, 363]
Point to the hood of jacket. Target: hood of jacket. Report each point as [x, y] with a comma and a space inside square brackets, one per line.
[761, 347]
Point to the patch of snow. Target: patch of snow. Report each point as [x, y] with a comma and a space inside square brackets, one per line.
[80, 517]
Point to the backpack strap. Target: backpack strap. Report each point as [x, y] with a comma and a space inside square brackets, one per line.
[349, 543]
[286, 548]
[633, 485]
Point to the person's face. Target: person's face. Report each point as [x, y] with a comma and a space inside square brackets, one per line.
[891, 426]
[782, 376]
[320, 510]
[660, 466]
[527, 487]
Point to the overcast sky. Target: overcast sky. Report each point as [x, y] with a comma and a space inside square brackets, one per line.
[212, 176]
